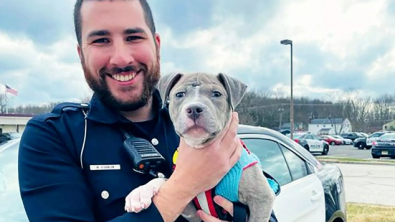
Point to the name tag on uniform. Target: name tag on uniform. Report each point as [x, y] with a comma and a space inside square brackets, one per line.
[105, 167]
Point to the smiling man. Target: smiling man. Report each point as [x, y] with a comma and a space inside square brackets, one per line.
[72, 162]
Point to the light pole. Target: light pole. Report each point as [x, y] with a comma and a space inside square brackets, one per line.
[291, 112]
[280, 110]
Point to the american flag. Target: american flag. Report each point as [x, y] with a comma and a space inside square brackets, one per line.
[11, 90]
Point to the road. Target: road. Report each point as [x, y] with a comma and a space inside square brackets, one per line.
[371, 184]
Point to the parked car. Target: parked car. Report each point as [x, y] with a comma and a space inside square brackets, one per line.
[331, 140]
[352, 135]
[344, 140]
[310, 189]
[371, 138]
[360, 143]
[384, 146]
[312, 143]
[298, 171]
[9, 136]
[363, 134]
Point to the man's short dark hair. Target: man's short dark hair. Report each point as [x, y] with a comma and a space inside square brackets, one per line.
[77, 17]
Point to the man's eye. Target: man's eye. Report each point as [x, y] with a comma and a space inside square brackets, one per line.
[102, 40]
[133, 38]
[180, 94]
[216, 94]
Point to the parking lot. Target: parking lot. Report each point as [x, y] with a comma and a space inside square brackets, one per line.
[349, 151]
[365, 183]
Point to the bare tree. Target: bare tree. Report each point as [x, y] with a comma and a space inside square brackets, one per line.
[4, 101]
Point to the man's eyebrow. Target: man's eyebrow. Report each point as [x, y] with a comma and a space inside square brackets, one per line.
[98, 33]
[134, 31]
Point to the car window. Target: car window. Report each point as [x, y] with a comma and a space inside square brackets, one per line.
[271, 158]
[297, 166]
[314, 137]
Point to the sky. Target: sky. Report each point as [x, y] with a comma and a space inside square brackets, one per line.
[338, 46]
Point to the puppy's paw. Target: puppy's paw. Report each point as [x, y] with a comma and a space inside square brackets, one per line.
[141, 197]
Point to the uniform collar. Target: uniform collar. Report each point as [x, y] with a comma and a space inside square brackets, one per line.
[99, 112]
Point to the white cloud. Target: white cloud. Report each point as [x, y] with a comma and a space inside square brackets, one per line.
[47, 78]
[383, 67]
[347, 35]
[304, 87]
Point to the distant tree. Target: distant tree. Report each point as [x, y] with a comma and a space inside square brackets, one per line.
[4, 102]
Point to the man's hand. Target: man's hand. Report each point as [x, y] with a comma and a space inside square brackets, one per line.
[201, 169]
[224, 203]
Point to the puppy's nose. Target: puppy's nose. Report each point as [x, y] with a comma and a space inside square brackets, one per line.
[194, 111]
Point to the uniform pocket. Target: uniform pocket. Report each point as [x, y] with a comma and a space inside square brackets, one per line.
[112, 186]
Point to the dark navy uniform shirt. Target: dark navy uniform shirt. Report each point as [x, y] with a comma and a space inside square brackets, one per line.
[57, 183]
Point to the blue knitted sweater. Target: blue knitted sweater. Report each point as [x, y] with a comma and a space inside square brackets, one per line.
[228, 187]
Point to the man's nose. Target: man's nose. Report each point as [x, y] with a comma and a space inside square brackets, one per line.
[122, 55]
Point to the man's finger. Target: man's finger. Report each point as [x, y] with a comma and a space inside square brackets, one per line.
[207, 218]
[224, 203]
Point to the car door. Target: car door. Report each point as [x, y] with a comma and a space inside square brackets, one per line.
[315, 144]
[302, 195]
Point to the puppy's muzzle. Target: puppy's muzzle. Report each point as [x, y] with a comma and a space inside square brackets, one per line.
[194, 111]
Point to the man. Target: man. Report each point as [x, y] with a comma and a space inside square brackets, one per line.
[72, 164]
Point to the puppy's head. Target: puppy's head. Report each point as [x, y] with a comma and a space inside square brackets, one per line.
[200, 104]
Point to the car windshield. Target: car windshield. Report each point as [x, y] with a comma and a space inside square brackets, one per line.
[11, 204]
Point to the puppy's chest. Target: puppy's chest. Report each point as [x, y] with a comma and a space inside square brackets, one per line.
[228, 187]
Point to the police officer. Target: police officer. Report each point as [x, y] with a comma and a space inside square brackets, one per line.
[72, 164]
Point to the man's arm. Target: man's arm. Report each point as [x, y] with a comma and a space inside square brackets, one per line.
[52, 185]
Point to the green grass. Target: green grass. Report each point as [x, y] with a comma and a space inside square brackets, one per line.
[357, 212]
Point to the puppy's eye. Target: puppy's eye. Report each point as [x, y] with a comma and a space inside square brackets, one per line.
[216, 94]
[180, 94]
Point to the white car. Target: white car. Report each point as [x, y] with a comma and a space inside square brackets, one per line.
[310, 191]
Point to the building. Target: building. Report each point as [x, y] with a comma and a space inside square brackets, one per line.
[13, 122]
[329, 126]
[389, 126]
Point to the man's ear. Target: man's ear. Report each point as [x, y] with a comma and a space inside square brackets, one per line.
[165, 85]
[235, 89]
[157, 41]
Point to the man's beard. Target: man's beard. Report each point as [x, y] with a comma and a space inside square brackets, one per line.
[101, 90]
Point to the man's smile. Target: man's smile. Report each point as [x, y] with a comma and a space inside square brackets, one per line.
[124, 76]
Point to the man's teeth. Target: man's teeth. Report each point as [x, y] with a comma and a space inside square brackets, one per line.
[123, 78]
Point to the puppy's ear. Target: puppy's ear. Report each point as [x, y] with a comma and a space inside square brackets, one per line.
[235, 89]
[165, 85]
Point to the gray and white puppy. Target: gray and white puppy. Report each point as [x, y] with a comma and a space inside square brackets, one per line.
[200, 106]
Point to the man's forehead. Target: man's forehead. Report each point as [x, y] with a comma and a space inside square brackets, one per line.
[92, 10]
